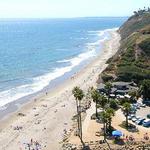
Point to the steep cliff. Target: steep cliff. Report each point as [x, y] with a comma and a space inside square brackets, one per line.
[132, 62]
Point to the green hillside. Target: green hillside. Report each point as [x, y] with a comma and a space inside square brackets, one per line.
[132, 62]
[136, 22]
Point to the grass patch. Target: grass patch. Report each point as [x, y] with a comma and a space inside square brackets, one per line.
[93, 117]
[131, 127]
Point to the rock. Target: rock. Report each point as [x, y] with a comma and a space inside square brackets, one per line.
[21, 114]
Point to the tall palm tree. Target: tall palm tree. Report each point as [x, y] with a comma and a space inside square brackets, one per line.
[78, 94]
[95, 96]
[102, 101]
[126, 109]
[104, 117]
[75, 93]
[111, 113]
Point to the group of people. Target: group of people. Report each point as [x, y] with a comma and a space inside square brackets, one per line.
[32, 145]
[131, 138]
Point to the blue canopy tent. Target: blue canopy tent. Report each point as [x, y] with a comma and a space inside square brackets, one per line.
[117, 133]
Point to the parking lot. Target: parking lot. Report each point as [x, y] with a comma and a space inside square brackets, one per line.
[142, 112]
[139, 114]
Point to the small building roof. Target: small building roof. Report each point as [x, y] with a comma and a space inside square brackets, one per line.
[121, 83]
[118, 87]
[122, 91]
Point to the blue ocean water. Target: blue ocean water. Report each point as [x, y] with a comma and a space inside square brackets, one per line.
[33, 52]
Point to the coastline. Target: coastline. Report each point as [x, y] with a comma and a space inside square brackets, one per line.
[47, 116]
[78, 63]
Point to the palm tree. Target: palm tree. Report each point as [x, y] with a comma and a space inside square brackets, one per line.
[104, 117]
[126, 109]
[75, 93]
[111, 113]
[108, 87]
[95, 96]
[78, 94]
[102, 101]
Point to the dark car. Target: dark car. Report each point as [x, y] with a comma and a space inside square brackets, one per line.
[139, 121]
[148, 116]
[147, 102]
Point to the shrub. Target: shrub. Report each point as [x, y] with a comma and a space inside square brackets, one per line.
[132, 73]
[113, 104]
[106, 77]
[145, 46]
[93, 117]
[124, 100]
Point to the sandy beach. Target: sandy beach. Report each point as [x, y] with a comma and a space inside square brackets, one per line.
[45, 118]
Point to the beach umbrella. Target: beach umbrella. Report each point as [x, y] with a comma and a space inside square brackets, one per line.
[117, 133]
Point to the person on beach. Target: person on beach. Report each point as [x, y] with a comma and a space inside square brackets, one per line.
[31, 141]
[127, 138]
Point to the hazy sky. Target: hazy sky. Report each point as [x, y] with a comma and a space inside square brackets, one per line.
[68, 8]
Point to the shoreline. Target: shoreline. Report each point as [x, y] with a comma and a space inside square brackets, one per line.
[46, 117]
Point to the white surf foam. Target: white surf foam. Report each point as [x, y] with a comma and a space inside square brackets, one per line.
[42, 81]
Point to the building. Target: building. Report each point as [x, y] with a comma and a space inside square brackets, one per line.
[119, 88]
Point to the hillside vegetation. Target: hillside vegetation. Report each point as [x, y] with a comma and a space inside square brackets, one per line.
[132, 62]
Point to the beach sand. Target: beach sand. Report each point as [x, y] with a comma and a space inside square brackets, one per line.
[46, 117]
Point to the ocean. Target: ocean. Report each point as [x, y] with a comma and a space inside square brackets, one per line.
[35, 52]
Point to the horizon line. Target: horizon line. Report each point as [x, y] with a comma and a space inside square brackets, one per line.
[65, 17]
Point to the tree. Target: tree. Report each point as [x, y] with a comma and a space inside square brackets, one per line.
[133, 94]
[104, 117]
[145, 89]
[126, 109]
[110, 113]
[95, 96]
[102, 102]
[113, 104]
[124, 100]
[78, 94]
[136, 13]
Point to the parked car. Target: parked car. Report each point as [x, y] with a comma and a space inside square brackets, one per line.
[134, 119]
[133, 111]
[148, 116]
[132, 115]
[139, 121]
[143, 105]
[146, 103]
[139, 104]
[137, 117]
[146, 123]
